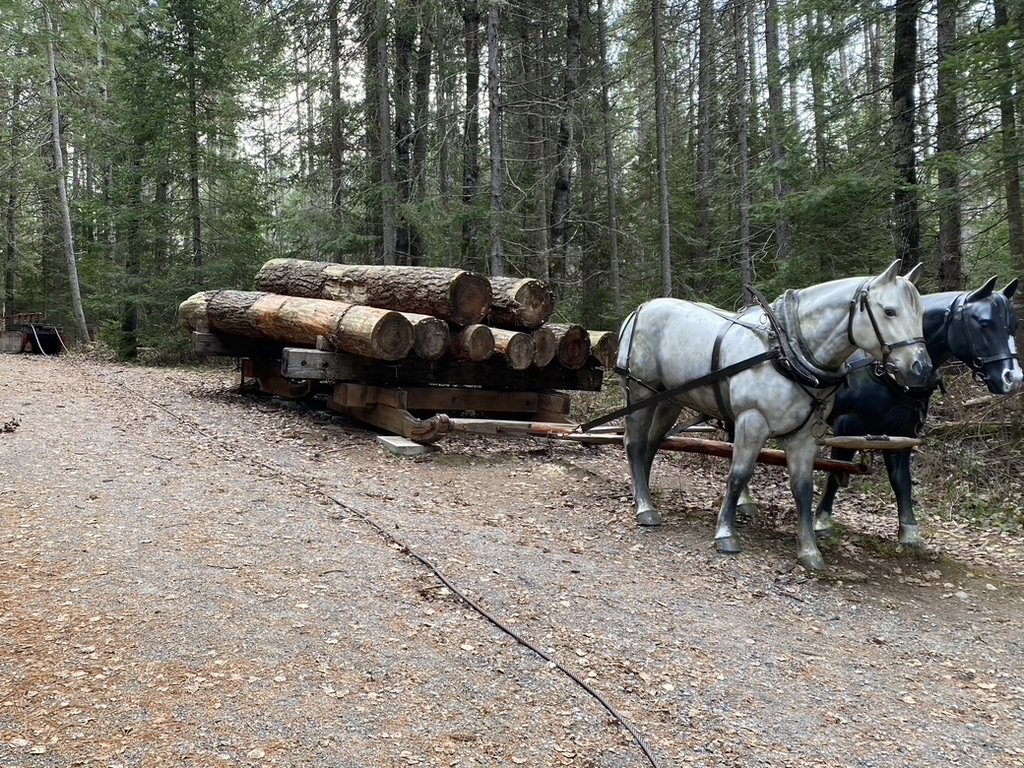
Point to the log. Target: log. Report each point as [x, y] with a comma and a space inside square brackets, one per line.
[604, 347]
[455, 295]
[474, 343]
[545, 346]
[527, 303]
[573, 344]
[368, 331]
[192, 312]
[433, 338]
[515, 346]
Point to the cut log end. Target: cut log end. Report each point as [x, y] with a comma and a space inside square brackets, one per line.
[573, 345]
[515, 346]
[604, 347]
[526, 303]
[470, 297]
[545, 347]
[474, 343]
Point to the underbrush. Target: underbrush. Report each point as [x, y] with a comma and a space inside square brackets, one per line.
[970, 465]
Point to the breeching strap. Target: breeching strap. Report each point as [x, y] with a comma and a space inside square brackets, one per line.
[700, 381]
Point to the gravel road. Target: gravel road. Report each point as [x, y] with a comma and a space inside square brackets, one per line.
[194, 577]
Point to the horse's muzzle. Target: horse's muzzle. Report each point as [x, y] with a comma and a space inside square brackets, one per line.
[916, 374]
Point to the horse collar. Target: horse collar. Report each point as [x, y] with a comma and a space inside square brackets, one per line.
[798, 360]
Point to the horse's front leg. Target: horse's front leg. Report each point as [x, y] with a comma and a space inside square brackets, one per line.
[897, 463]
[751, 431]
[823, 522]
[800, 452]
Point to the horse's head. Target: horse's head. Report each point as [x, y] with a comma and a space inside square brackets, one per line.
[886, 322]
[981, 333]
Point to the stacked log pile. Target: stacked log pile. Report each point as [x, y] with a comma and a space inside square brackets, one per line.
[390, 313]
[433, 327]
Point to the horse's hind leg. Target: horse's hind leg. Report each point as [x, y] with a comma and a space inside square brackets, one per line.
[750, 433]
[823, 522]
[897, 463]
[645, 429]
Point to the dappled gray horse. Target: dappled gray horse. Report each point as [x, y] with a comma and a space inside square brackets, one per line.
[783, 364]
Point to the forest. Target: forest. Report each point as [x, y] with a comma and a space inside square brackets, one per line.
[619, 149]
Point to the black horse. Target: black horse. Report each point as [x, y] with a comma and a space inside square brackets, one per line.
[974, 327]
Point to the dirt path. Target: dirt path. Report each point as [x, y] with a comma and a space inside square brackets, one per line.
[189, 577]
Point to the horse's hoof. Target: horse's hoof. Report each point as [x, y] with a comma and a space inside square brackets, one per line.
[649, 517]
[729, 545]
[748, 511]
[812, 561]
[823, 529]
[910, 536]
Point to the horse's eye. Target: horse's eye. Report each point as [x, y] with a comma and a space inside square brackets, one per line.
[985, 324]
[890, 312]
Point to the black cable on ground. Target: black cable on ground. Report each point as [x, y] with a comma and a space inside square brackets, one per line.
[640, 741]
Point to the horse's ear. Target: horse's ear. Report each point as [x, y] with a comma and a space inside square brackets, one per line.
[891, 273]
[982, 293]
[915, 274]
[1011, 288]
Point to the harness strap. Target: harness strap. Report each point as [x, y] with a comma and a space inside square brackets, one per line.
[700, 381]
[716, 387]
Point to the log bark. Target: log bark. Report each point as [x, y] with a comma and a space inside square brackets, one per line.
[515, 346]
[433, 336]
[573, 344]
[455, 295]
[474, 343]
[527, 303]
[545, 346]
[376, 333]
[604, 347]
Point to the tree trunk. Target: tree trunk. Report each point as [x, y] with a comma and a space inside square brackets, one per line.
[454, 295]
[62, 189]
[389, 243]
[948, 148]
[705, 134]
[561, 199]
[610, 167]
[471, 257]
[494, 118]
[405, 40]
[816, 31]
[421, 118]
[526, 303]
[9, 274]
[906, 217]
[743, 151]
[1011, 159]
[360, 330]
[195, 200]
[336, 138]
[777, 127]
[661, 129]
